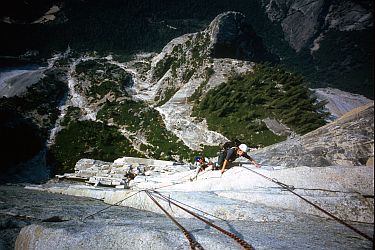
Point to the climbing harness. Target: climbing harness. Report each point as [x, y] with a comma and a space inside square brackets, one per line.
[291, 189]
[193, 243]
[240, 241]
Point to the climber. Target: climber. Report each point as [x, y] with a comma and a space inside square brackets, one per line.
[228, 155]
[202, 163]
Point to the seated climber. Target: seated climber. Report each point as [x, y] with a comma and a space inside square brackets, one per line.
[228, 155]
[202, 163]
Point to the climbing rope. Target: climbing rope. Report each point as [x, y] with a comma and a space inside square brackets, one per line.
[115, 204]
[193, 243]
[199, 210]
[291, 188]
[119, 202]
[173, 184]
[240, 241]
[245, 245]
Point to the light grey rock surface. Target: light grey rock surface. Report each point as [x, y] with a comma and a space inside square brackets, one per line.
[127, 228]
[15, 82]
[347, 192]
[339, 102]
[347, 141]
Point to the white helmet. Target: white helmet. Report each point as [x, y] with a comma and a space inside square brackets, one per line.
[243, 147]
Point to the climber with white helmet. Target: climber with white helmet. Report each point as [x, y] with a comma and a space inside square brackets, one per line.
[230, 154]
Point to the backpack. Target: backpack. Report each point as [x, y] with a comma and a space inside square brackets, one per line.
[223, 152]
[231, 144]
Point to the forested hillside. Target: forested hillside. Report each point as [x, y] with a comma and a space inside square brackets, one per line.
[238, 107]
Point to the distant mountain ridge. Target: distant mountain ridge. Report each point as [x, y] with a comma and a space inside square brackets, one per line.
[329, 42]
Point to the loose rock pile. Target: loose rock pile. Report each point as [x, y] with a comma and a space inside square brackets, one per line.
[121, 172]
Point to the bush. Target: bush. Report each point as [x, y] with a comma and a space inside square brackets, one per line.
[88, 139]
[270, 91]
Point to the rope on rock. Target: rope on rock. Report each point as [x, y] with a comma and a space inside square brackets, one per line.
[291, 188]
[240, 241]
[199, 210]
[115, 204]
[193, 243]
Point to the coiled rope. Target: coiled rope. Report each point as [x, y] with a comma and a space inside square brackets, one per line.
[291, 188]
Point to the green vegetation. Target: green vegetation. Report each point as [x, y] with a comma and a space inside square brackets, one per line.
[185, 62]
[209, 71]
[163, 66]
[344, 59]
[25, 121]
[87, 139]
[40, 102]
[72, 114]
[209, 151]
[236, 108]
[199, 48]
[168, 93]
[105, 78]
[127, 27]
[138, 118]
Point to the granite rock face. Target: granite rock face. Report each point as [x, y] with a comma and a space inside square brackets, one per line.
[191, 63]
[128, 228]
[240, 201]
[238, 198]
[339, 102]
[348, 141]
[303, 21]
[233, 37]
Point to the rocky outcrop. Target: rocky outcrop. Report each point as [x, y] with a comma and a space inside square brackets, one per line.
[121, 172]
[330, 42]
[232, 37]
[240, 200]
[303, 21]
[339, 102]
[16, 83]
[300, 20]
[191, 57]
[195, 63]
[240, 197]
[348, 142]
